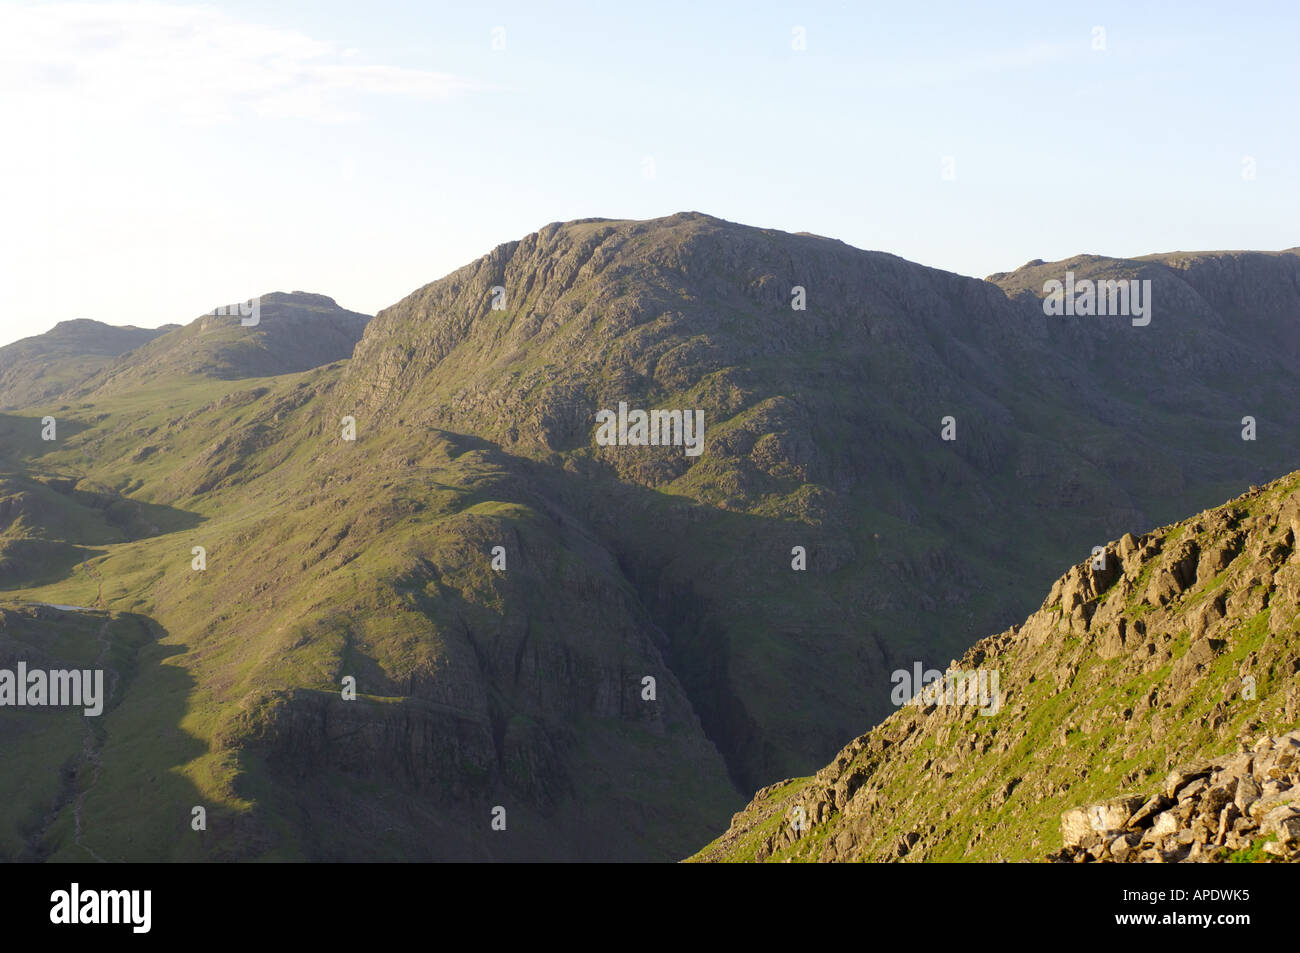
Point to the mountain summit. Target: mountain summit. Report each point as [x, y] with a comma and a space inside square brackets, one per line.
[294, 332]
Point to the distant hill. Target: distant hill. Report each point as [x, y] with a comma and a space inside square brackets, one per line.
[295, 332]
[40, 367]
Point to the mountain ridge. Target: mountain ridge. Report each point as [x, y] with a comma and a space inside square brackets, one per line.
[294, 332]
[40, 367]
[475, 429]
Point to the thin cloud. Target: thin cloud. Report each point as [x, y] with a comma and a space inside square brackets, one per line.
[196, 63]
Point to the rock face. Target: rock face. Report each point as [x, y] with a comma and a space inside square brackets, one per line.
[1236, 804]
[1169, 672]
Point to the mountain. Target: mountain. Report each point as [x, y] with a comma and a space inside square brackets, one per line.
[37, 368]
[1182, 645]
[294, 332]
[329, 560]
[612, 644]
[824, 430]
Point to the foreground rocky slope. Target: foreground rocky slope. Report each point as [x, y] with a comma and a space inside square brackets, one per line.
[1181, 646]
[1233, 807]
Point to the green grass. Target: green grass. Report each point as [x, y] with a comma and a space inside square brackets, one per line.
[1254, 854]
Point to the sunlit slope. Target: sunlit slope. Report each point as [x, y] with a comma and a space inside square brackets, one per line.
[327, 558]
[1186, 645]
[292, 332]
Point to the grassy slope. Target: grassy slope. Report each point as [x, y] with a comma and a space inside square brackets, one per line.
[338, 530]
[1077, 726]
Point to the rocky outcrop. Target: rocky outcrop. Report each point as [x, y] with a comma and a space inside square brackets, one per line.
[1166, 656]
[1234, 806]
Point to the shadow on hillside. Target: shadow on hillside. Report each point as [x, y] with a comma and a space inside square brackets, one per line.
[754, 643]
[122, 793]
[25, 563]
[460, 443]
[96, 771]
[21, 437]
[140, 807]
[138, 519]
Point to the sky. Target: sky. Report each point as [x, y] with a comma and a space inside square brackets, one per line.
[160, 159]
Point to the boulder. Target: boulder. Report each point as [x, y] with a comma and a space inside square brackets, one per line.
[1078, 824]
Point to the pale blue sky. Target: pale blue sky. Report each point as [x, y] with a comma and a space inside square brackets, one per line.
[164, 158]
